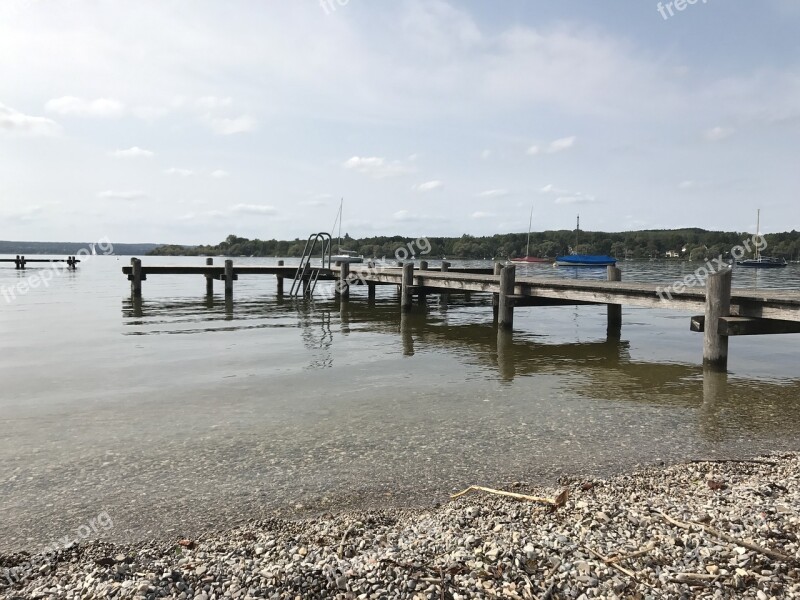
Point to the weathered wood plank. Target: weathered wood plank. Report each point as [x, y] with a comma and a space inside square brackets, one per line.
[734, 326]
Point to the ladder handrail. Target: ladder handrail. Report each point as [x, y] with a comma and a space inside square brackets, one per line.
[305, 270]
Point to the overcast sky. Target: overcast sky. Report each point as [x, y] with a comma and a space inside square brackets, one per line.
[185, 121]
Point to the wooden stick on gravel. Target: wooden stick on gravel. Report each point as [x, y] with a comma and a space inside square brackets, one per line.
[642, 552]
[773, 554]
[514, 495]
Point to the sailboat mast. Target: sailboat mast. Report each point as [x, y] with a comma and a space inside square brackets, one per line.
[577, 229]
[341, 206]
[528, 244]
[758, 233]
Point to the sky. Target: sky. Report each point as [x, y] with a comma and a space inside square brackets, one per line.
[177, 121]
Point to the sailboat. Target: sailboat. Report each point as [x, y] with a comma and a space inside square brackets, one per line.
[573, 259]
[528, 258]
[762, 262]
[348, 256]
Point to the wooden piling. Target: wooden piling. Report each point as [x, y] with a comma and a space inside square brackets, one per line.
[718, 304]
[406, 286]
[445, 266]
[614, 311]
[371, 291]
[498, 267]
[228, 277]
[209, 278]
[444, 297]
[136, 277]
[422, 296]
[343, 285]
[280, 281]
[505, 308]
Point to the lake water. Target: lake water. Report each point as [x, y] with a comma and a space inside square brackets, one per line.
[179, 413]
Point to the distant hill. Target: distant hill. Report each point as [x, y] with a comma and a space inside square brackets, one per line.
[70, 248]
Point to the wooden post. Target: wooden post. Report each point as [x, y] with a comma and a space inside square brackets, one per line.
[280, 281]
[229, 277]
[498, 267]
[718, 304]
[17, 262]
[370, 291]
[422, 296]
[614, 311]
[505, 309]
[343, 286]
[444, 297]
[136, 277]
[209, 278]
[408, 281]
[22, 262]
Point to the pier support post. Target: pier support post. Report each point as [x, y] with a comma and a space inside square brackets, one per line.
[209, 279]
[136, 278]
[505, 309]
[614, 330]
[343, 285]
[422, 296]
[229, 277]
[405, 287]
[718, 304]
[371, 292]
[444, 297]
[498, 267]
[280, 281]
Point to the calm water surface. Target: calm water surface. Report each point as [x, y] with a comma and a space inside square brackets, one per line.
[179, 413]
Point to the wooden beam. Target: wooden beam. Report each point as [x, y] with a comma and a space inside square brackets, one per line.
[505, 308]
[733, 326]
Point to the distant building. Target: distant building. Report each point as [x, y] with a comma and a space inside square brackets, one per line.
[673, 254]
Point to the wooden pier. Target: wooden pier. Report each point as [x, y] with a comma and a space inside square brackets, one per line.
[20, 261]
[724, 311]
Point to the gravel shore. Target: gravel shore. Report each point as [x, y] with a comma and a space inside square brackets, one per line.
[696, 530]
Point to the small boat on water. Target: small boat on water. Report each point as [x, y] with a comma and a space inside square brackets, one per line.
[585, 260]
[528, 259]
[574, 259]
[762, 262]
[344, 256]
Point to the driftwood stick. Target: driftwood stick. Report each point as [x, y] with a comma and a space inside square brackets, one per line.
[642, 552]
[773, 554]
[344, 537]
[514, 495]
[613, 565]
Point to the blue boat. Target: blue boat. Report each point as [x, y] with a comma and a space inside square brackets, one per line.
[585, 260]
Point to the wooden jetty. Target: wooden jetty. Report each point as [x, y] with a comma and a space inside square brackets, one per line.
[20, 261]
[724, 312]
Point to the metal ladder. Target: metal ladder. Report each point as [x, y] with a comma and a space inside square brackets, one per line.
[306, 276]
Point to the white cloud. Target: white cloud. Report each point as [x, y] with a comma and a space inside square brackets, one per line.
[177, 171]
[533, 150]
[149, 113]
[99, 107]
[131, 195]
[219, 174]
[551, 189]
[576, 198]
[376, 167]
[213, 102]
[716, 134]
[228, 126]
[133, 152]
[16, 122]
[481, 215]
[429, 186]
[486, 154]
[686, 185]
[405, 216]
[253, 209]
[498, 193]
[561, 144]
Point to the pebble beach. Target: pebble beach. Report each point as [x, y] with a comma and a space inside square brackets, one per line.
[694, 530]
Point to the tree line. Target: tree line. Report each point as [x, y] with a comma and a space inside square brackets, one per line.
[687, 244]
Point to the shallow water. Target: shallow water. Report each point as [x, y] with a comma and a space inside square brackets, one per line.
[178, 413]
